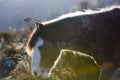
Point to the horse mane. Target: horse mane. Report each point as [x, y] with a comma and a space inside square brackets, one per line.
[82, 13]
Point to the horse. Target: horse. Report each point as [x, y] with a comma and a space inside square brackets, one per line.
[96, 33]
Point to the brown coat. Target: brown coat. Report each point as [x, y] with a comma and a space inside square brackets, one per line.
[97, 34]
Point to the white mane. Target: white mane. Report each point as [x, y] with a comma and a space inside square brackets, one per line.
[81, 13]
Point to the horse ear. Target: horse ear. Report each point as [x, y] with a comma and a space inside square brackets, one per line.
[39, 25]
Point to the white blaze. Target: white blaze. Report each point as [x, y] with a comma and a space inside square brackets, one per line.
[36, 58]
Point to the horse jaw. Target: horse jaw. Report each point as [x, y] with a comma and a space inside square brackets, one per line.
[36, 59]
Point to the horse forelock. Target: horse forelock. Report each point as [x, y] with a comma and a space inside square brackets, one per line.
[32, 40]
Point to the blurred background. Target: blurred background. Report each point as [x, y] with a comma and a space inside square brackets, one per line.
[17, 14]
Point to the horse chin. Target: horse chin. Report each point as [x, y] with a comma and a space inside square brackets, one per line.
[39, 72]
[35, 71]
[44, 73]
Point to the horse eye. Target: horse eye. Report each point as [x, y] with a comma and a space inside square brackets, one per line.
[40, 47]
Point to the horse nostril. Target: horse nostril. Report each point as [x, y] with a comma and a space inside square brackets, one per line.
[35, 73]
